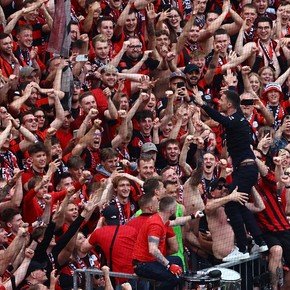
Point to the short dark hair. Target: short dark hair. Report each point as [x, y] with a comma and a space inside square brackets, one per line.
[108, 153]
[165, 203]
[161, 32]
[75, 162]
[151, 184]
[144, 157]
[33, 181]
[8, 214]
[84, 95]
[171, 141]
[37, 147]
[220, 31]
[264, 19]
[4, 35]
[102, 19]
[59, 177]
[169, 182]
[167, 167]
[145, 199]
[118, 179]
[21, 28]
[143, 115]
[54, 140]
[233, 98]
[29, 112]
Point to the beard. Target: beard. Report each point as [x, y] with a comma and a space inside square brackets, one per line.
[172, 217]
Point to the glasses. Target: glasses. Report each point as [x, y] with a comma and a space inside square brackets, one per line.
[31, 120]
[39, 116]
[220, 186]
[174, 16]
[135, 46]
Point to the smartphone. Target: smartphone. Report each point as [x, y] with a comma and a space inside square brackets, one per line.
[54, 157]
[247, 102]
[120, 165]
[82, 57]
[267, 131]
[180, 85]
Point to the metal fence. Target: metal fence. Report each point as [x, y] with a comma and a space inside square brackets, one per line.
[253, 273]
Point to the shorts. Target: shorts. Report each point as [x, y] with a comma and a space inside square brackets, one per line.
[282, 239]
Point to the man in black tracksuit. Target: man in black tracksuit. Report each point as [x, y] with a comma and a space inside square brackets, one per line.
[245, 174]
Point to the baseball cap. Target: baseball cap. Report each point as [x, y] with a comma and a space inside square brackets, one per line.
[35, 265]
[26, 71]
[272, 87]
[111, 215]
[147, 147]
[191, 68]
[177, 74]
[215, 183]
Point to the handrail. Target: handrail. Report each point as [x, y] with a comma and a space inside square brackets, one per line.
[244, 272]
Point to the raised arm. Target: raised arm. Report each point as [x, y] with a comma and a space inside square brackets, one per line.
[4, 135]
[83, 142]
[16, 105]
[240, 39]
[122, 130]
[183, 155]
[9, 255]
[93, 8]
[216, 24]
[111, 113]
[59, 112]
[233, 28]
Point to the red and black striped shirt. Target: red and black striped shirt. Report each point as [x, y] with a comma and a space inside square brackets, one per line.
[273, 217]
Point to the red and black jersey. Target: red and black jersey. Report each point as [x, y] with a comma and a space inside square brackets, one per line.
[273, 217]
[37, 33]
[6, 67]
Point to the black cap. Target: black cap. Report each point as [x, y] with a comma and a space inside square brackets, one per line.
[111, 215]
[215, 183]
[34, 265]
[191, 68]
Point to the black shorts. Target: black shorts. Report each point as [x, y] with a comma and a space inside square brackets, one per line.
[279, 239]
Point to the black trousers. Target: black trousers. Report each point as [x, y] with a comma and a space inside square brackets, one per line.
[244, 177]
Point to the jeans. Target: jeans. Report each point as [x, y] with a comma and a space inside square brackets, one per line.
[156, 271]
[245, 177]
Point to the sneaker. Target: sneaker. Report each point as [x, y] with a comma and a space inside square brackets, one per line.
[236, 255]
[255, 249]
[259, 249]
[263, 247]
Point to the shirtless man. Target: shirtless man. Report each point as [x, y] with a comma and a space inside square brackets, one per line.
[223, 246]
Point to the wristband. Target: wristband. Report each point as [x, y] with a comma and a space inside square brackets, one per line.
[192, 216]
[17, 128]
[168, 266]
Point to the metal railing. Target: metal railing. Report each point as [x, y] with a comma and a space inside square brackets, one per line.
[252, 270]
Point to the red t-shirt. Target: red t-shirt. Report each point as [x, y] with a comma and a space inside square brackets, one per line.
[155, 227]
[139, 221]
[122, 249]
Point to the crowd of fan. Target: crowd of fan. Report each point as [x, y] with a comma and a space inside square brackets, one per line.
[99, 138]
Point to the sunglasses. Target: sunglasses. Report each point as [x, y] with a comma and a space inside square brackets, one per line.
[220, 186]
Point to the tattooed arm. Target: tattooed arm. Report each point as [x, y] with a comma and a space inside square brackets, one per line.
[153, 243]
